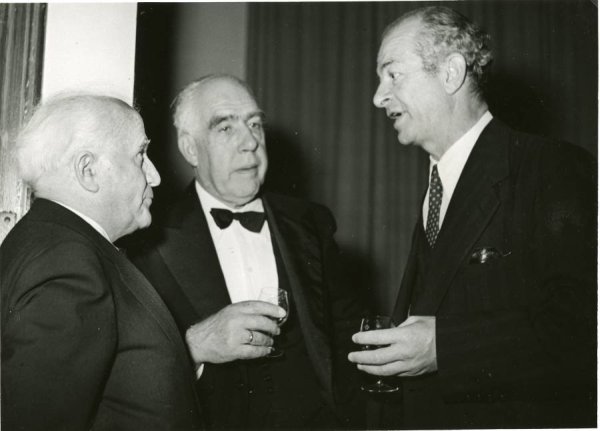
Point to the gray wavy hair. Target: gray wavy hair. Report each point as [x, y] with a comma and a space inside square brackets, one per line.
[445, 31]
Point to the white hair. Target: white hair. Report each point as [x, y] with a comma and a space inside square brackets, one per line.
[63, 126]
[183, 105]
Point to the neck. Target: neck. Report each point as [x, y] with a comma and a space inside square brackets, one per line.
[461, 120]
[233, 204]
[82, 204]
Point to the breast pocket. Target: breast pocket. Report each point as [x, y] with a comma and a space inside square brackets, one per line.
[489, 282]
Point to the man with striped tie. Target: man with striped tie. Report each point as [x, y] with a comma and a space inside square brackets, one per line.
[497, 307]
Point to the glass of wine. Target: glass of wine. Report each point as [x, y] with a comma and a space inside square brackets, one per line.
[278, 297]
[377, 384]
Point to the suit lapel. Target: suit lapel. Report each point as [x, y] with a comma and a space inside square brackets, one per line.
[138, 285]
[402, 307]
[192, 258]
[291, 237]
[475, 200]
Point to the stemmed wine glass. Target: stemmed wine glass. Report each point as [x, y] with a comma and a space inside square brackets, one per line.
[379, 385]
[278, 297]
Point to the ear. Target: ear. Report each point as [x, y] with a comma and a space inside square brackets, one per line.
[455, 72]
[86, 171]
[187, 148]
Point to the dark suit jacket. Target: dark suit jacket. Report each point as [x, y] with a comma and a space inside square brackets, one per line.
[515, 335]
[183, 263]
[87, 343]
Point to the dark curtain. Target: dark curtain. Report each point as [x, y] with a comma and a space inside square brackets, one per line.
[312, 66]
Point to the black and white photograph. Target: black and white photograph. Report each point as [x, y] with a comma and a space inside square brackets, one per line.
[305, 215]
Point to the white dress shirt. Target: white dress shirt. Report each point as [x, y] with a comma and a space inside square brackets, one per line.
[246, 258]
[451, 165]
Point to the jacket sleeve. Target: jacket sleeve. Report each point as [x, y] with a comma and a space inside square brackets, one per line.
[58, 339]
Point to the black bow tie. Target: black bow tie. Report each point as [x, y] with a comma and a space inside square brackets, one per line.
[251, 220]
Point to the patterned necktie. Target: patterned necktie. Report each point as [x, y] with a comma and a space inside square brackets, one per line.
[436, 191]
[251, 220]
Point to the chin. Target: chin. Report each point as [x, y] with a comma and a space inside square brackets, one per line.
[405, 140]
[247, 189]
[145, 220]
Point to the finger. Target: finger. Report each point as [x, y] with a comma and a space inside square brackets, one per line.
[391, 369]
[261, 323]
[253, 352]
[261, 307]
[260, 339]
[381, 356]
[380, 337]
[248, 338]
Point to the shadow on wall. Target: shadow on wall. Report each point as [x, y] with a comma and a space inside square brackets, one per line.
[289, 174]
[154, 73]
[288, 170]
[359, 273]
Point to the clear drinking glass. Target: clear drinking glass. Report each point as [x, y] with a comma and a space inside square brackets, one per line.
[378, 383]
[277, 297]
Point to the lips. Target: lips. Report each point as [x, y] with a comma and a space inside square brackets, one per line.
[248, 169]
[148, 198]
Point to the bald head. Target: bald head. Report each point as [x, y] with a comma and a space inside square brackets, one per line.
[62, 127]
[89, 152]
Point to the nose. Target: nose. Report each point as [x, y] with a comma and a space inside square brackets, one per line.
[251, 139]
[381, 96]
[152, 175]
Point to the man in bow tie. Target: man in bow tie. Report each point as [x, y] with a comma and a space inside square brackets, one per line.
[496, 312]
[223, 243]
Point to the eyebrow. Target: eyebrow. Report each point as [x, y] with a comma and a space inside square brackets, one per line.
[382, 67]
[218, 119]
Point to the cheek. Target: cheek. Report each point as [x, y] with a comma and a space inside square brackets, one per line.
[264, 161]
[217, 172]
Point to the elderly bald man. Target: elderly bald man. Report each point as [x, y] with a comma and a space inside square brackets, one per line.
[87, 342]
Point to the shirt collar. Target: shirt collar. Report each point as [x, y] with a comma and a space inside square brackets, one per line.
[87, 219]
[453, 161]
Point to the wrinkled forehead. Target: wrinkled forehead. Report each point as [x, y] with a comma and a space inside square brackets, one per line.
[127, 128]
[398, 43]
[223, 97]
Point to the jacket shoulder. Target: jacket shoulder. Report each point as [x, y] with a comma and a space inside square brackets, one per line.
[301, 208]
[527, 145]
